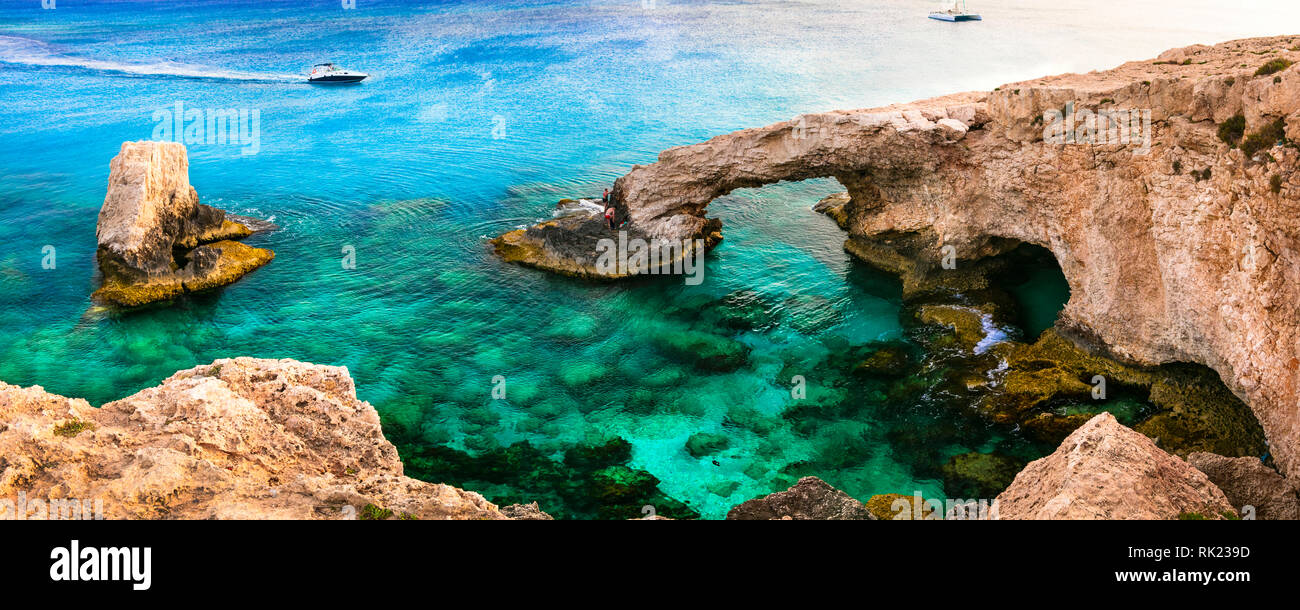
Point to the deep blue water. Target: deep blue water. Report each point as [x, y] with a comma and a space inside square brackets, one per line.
[478, 117]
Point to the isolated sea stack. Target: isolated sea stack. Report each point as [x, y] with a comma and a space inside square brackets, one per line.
[156, 241]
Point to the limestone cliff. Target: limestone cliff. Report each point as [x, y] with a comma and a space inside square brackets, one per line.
[237, 439]
[153, 232]
[1179, 240]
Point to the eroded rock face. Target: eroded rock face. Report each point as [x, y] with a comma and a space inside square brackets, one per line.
[151, 215]
[1246, 481]
[237, 439]
[809, 499]
[1179, 247]
[1104, 470]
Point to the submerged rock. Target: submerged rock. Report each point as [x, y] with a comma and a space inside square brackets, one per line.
[596, 457]
[706, 351]
[156, 241]
[891, 507]
[979, 475]
[809, 499]
[701, 444]
[236, 439]
[742, 310]
[1246, 481]
[886, 361]
[1104, 470]
[591, 482]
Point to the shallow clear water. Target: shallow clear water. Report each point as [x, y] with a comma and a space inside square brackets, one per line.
[478, 118]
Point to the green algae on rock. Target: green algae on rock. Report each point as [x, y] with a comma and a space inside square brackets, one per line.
[979, 475]
[222, 263]
[885, 361]
[896, 507]
[967, 323]
[1200, 414]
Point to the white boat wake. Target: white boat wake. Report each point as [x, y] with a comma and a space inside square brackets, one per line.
[29, 52]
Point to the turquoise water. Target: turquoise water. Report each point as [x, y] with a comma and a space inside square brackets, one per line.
[1039, 296]
[478, 118]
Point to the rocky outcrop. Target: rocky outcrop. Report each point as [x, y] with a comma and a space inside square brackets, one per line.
[1247, 482]
[1179, 243]
[526, 512]
[568, 244]
[237, 439]
[809, 499]
[1106, 471]
[156, 241]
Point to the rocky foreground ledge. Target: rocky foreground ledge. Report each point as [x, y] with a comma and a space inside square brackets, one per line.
[156, 241]
[236, 439]
[246, 438]
[1179, 241]
[1103, 470]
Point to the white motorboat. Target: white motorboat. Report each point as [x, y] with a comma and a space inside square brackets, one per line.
[328, 73]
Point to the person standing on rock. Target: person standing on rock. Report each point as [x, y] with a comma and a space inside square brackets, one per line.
[605, 198]
[609, 215]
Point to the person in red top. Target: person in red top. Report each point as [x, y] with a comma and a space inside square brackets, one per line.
[605, 198]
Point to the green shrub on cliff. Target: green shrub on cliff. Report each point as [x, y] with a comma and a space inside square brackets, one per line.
[1273, 66]
[370, 512]
[1231, 130]
[1265, 138]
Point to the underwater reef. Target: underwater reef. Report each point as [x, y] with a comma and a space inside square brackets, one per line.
[586, 482]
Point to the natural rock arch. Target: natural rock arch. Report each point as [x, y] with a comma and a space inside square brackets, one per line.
[667, 199]
[1177, 247]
